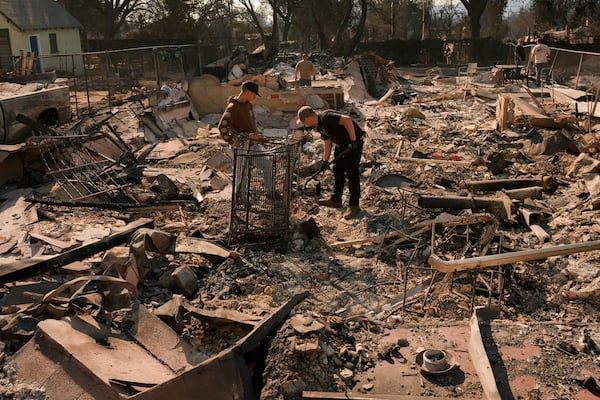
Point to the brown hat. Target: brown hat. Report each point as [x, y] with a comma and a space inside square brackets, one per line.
[251, 86]
[304, 112]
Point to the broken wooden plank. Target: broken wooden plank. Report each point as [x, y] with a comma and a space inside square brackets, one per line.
[209, 250]
[7, 246]
[60, 244]
[505, 111]
[479, 355]
[510, 258]
[26, 268]
[222, 315]
[538, 231]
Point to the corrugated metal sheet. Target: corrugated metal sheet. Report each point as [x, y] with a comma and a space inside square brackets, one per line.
[37, 14]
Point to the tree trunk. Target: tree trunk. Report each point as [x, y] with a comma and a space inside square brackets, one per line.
[360, 29]
[337, 45]
[475, 27]
[273, 47]
[475, 10]
[316, 16]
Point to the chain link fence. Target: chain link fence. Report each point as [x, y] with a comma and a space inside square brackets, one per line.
[102, 79]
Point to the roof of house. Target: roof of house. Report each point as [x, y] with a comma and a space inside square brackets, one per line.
[37, 14]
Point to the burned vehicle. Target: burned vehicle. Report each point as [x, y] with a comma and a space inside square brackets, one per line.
[48, 104]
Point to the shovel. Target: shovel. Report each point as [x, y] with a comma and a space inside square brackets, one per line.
[336, 159]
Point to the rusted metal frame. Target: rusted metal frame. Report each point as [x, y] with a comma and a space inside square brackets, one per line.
[494, 205]
[85, 179]
[108, 190]
[510, 258]
[433, 276]
[487, 236]
[110, 179]
[48, 159]
[68, 169]
[548, 183]
[412, 256]
[173, 205]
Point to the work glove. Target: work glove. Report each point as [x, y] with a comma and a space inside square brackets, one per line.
[257, 138]
[325, 165]
[353, 146]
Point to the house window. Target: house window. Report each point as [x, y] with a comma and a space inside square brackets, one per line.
[53, 43]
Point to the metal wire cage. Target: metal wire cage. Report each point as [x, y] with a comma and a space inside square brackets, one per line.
[262, 191]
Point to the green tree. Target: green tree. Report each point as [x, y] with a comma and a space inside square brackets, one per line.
[560, 13]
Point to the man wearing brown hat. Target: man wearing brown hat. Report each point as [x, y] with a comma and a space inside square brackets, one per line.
[344, 132]
[238, 128]
[237, 124]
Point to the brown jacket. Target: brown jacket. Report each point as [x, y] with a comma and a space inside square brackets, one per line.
[237, 121]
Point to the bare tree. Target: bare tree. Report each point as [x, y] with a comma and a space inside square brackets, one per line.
[256, 19]
[105, 17]
[449, 14]
[285, 11]
[338, 29]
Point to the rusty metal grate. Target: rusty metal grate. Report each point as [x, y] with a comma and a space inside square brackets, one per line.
[262, 190]
[87, 167]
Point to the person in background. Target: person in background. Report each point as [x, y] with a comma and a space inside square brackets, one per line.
[344, 132]
[520, 52]
[540, 55]
[166, 97]
[306, 70]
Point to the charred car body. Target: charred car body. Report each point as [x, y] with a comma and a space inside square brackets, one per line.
[48, 105]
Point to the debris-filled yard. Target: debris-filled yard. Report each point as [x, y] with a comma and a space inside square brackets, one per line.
[471, 271]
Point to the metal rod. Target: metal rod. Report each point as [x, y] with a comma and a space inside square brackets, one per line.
[509, 258]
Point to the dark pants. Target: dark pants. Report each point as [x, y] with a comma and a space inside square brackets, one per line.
[539, 71]
[304, 82]
[347, 168]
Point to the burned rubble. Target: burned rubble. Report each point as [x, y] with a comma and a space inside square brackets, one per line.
[471, 271]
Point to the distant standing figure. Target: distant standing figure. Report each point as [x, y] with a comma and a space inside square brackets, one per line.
[306, 70]
[166, 97]
[540, 55]
[520, 52]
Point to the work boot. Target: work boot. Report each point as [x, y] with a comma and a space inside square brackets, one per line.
[352, 212]
[330, 203]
